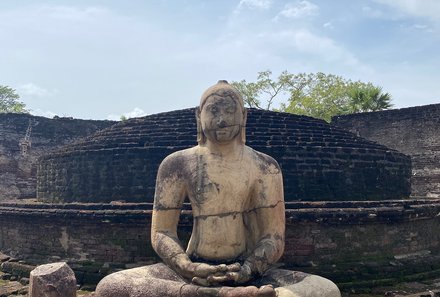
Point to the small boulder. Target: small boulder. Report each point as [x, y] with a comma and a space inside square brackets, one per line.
[52, 280]
[24, 281]
[3, 257]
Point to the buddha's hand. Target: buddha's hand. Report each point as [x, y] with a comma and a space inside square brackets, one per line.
[248, 291]
[227, 275]
[214, 275]
[243, 275]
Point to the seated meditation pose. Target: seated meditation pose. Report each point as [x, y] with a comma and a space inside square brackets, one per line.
[236, 195]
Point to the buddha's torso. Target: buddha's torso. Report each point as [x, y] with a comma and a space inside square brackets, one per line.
[220, 192]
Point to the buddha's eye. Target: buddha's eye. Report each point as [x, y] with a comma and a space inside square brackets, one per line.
[230, 110]
[214, 109]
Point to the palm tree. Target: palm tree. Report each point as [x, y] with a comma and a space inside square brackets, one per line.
[367, 97]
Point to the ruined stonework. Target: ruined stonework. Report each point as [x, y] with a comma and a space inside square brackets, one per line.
[24, 138]
[319, 161]
[414, 131]
[354, 243]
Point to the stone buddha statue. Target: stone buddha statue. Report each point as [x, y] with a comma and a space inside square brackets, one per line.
[236, 195]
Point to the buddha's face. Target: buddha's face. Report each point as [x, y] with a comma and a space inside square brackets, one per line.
[221, 118]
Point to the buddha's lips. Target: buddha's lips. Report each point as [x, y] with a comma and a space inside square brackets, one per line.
[224, 128]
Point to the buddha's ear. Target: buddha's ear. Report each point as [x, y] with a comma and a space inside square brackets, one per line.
[243, 126]
[201, 139]
[244, 116]
[197, 110]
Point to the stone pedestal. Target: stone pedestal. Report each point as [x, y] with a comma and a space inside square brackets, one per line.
[52, 280]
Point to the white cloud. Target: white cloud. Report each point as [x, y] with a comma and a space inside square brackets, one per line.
[34, 90]
[372, 12]
[254, 4]
[424, 28]
[328, 25]
[113, 117]
[135, 113]
[306, 42]
[299, 9]
[416, 8]
[43, 113]
[74, 13]
[420, 27]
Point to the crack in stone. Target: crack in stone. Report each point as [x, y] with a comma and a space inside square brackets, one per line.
[160, 207]
[234, 213]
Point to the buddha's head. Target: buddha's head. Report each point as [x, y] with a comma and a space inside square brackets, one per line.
[221, 116]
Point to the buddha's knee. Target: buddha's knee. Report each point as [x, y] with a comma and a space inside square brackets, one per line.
[113, 285]
[310, 286]
[329, 288]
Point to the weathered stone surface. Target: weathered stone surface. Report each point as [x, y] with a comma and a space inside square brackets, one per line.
[18, 169]
[52, 280]
[159, 280]
[3, 257]
[4, 276]
[414, 131]
[24, 281]
[319, 161]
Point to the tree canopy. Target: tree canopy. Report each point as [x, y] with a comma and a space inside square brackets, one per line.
[9, 101]
[318, 95]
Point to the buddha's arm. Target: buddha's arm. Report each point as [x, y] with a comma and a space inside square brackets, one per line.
[165, 241]
[268, 217]
[168, 201]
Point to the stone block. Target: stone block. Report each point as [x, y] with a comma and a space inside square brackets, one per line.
[52, 280]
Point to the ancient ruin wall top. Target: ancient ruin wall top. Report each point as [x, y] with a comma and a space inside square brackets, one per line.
[24, 138]
[413, 131]
[319, 161]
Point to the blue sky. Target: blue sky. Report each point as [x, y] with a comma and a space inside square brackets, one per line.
[100, 59]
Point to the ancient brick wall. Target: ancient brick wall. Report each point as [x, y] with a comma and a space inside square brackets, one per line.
[18, 164]
[414, 131]
[350, 242]
[319, 161]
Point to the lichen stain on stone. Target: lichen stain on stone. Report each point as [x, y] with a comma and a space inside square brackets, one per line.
[64, 239]
[266, 163]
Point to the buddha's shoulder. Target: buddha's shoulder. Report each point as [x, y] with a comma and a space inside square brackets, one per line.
[264, 163]
[181, 156]
[176, 164]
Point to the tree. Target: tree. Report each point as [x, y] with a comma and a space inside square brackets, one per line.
[9, 101]
[314, 94]
[367, 97]
[264, 86]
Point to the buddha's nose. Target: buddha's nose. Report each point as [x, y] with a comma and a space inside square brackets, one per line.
[221, 123]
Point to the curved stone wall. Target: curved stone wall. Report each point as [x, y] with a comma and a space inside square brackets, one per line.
[319, 161]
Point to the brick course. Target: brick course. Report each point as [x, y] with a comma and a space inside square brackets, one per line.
[350, 242]
[414, 131]
[18, 171]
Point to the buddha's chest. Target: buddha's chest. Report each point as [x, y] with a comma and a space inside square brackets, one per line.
[219, 185]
